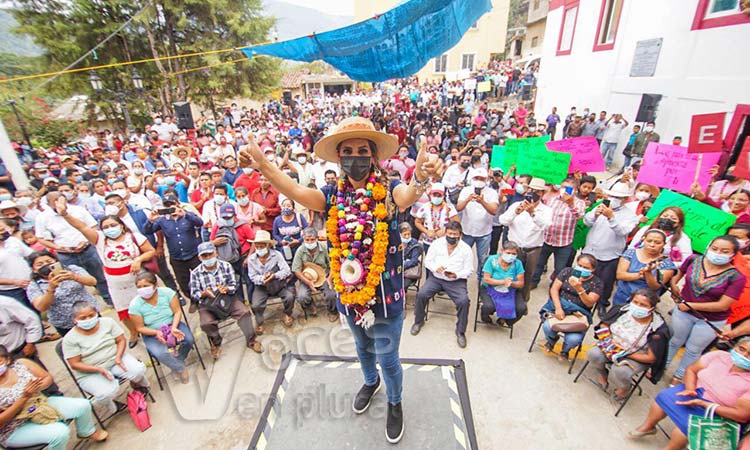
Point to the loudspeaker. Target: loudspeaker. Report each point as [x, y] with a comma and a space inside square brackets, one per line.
[287, 97]
[184, 115]
[647, 109]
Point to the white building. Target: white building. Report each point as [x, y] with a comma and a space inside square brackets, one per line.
[604, 54]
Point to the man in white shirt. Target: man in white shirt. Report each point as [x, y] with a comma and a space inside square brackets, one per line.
[72, 247]
[449, 265]
[526, 221]
[319, 171]
[302, 166]
[15, 272]
[479, 204]
[457, 175]
[162, 129]
[611, 136]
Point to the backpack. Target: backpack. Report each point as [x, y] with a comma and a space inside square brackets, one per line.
[231, 250]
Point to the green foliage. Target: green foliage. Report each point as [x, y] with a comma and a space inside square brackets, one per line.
[47, 132]
[67, 29]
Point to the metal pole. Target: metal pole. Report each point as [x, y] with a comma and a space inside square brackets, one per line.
[21, 123]
[125, 112]
[11, 161]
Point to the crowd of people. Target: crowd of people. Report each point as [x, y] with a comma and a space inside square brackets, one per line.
[164, 217]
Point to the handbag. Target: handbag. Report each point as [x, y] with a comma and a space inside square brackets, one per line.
[152, 265]
[505, 303]
[454, 193]
[37, 410]
[712, 432]
[139, 410]
[413, 273]
[572, 323]
[220, 306]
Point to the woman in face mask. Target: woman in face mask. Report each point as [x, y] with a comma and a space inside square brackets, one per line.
[637, 267]
[642, 193]
[740, 310]
[719, 380]
[432, 217]
[95, 350]
[503, 278]
[287, 229]
[412, 253]
[575, 289]
[630, 338]
[671, 221]
[123, 253]
[247, 210]
[23, 379]
[55, 288]
[711, 285]
[157, 316]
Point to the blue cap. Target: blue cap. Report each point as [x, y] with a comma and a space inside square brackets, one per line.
[206, 247]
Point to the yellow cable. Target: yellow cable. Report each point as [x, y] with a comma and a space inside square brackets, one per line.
[127, 63]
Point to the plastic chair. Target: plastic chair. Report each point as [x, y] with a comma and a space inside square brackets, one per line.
[634, 386]
[575, 354]
[86, 395]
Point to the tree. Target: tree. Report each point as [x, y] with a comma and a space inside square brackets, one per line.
[66, 29]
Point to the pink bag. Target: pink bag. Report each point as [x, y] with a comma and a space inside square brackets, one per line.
[139, 410]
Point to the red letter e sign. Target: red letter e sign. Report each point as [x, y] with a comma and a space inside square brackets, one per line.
[706, 133]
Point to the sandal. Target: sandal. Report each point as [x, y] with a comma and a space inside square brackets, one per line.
[547, 347]
[635, 434]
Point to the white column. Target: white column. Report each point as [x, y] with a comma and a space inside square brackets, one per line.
[11, 161]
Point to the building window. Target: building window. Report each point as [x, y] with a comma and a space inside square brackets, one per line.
[609, 20]
[467, 61]
[718, 13]
[441, 63]
[534, 41]
[567, 29]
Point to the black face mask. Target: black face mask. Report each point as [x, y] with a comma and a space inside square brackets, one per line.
[4, 236]
[730, 178]
[356, 167]
[331, 183]
[45, 270]
[451, 240]
[666, 224]
[465, 164]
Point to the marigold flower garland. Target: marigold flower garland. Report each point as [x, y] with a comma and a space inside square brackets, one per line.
[359, 242]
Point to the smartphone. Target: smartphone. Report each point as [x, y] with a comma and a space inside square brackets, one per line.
[55, 268]
[530, 197]
[569, 190]
[576, 273]
[478, 191]
[163, 171]
[165, 211]
[606, 202]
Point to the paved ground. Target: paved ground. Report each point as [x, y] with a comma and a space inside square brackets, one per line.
[519, 400]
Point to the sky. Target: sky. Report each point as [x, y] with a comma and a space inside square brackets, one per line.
[335, 7]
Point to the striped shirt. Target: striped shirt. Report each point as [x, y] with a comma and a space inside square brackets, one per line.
[564, 217]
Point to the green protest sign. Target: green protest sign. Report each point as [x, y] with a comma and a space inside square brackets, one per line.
[521, 152]
[550, 166]
[579, 238]
[702, 222]
[502, 159]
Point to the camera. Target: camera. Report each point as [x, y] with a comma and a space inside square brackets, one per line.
[165, 211]
[497, 173]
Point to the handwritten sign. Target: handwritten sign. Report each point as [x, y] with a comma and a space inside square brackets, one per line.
[706, 131]
[484, 86]
[585, 153]
[470, 84]
[552, 167]
[702, 222]
[672, 167]
[500, 158]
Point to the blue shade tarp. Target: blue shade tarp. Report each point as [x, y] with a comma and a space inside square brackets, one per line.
[395, 44]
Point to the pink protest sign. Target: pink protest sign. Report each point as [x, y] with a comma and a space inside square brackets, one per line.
[672, 167]
[585, 153]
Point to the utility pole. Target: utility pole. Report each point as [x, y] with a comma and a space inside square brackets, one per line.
[21, 123]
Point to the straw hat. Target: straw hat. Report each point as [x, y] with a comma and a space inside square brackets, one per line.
[263, 237]
[355, 128]
[8, 204]
[618, 190]
[314, 273]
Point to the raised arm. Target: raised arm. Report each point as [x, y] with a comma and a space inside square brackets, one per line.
[61, 206]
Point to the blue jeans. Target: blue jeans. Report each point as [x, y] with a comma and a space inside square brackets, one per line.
[608, 152]
[380, 342]
[160, 352]
[562, 255]
[483, 249]
[694, 334]
[56, 434]
[89, 260]
[570, 340]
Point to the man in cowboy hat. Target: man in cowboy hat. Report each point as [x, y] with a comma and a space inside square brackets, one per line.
[270, 275]
[610, 224]
[311, 266]
[357, 147]
[212, 278]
